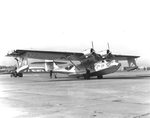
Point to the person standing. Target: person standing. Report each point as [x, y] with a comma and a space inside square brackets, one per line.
[51, 73]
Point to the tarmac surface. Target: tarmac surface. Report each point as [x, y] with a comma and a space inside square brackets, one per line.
[118, 95]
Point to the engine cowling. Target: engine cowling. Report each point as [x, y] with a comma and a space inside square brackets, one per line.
[106, 54]
[103, 53]
[91, 55]
[88, 52]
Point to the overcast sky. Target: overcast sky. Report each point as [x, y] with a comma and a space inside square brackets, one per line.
[71, 25]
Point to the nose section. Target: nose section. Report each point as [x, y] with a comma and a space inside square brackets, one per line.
[118, 64]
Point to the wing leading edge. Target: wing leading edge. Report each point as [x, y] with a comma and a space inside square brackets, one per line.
[49, 55]
[52, 55]
[124, 57]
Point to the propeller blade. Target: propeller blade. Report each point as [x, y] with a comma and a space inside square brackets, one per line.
[92, 45]
[108, 46]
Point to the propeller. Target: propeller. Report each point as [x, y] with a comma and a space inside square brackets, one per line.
[92, 45]
[108, 50]
[108, 46]
[97, 56]
[92, 49]
[109, 53]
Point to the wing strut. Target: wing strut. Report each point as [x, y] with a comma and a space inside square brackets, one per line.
[73, 63]
[132, 64]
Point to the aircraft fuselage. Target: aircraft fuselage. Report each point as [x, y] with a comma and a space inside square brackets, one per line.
[96, 69]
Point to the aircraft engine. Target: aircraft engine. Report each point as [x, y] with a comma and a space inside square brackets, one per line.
[92, 54]
[88, 52]
[103, 53]
[106, 54]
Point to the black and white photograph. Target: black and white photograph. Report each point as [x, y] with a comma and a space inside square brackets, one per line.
[75, 58]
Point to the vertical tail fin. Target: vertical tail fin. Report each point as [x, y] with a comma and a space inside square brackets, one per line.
[21, 61]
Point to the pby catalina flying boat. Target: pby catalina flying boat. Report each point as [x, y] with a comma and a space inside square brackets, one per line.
[91, 63]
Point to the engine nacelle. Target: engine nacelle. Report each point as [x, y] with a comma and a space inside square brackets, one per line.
[103, 53]
[88, 52]
[106, 54]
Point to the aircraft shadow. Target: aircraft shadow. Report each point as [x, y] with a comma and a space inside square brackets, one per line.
[128, 77]
[59, 79]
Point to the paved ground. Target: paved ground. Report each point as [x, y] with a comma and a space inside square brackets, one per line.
[119, 95]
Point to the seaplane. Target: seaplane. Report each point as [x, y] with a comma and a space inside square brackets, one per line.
[90, 62]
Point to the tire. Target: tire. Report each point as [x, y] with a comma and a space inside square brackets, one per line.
[86, 77]
[15, 74]
[100, 77]
[20, 74]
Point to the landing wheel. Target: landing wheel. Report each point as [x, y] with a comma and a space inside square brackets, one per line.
[15, 74]
[100, 77]
[86, 77]
[20, 74]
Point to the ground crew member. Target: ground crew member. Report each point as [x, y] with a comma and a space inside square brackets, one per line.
[51, 73]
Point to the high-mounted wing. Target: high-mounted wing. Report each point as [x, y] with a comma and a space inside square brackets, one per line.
[49, 55]
[124, 57]
[130, 59]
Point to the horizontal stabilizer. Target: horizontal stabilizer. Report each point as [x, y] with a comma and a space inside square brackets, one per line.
[49, 62]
